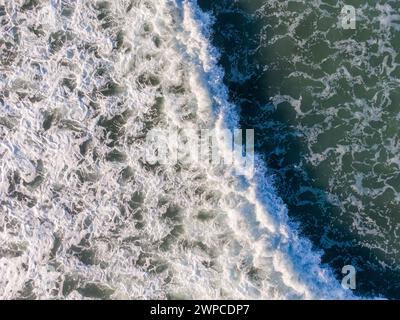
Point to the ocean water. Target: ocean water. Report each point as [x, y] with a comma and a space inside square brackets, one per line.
[84, 216]
[325, 105]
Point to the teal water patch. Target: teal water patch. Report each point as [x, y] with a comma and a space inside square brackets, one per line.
[324, 103]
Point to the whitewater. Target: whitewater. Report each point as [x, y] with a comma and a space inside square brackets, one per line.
[82, 215]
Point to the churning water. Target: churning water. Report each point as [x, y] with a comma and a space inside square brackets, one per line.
[82, 215]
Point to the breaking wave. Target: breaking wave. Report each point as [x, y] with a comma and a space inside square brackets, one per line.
[82, 215]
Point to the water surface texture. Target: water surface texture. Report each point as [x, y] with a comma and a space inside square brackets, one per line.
[325, 105]
[83, 215]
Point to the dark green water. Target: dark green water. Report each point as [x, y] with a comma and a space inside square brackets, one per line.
[325, 105]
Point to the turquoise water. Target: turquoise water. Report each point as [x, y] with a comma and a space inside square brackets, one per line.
[325, 105]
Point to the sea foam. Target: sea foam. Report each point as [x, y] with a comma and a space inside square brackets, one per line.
[82, 215]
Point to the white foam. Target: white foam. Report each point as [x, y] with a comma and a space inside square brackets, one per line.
[292, 256]
[195, 231]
